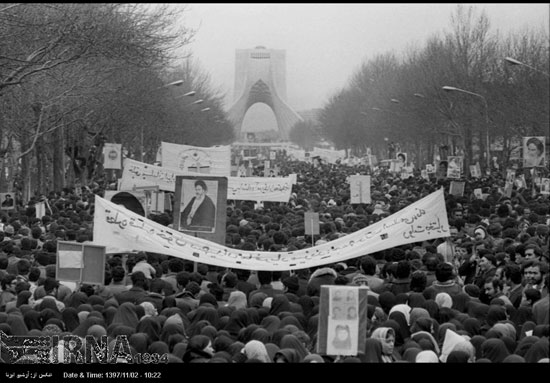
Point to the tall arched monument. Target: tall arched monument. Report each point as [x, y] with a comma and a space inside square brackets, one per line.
[260, 76]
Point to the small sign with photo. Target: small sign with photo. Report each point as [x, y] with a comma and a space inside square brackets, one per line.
[430, 168]
[545, 186]
[7, 201]
[457, 188]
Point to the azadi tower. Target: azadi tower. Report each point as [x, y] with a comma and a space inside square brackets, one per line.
[260, 76]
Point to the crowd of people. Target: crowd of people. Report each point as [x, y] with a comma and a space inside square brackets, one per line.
[480, 295]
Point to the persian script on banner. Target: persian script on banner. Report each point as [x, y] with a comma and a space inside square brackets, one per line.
[121, 230]
[272, 189]
[214, 161]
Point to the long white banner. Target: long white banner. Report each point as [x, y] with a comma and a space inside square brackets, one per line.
[121, 230]
[272, 189]
[214, 160]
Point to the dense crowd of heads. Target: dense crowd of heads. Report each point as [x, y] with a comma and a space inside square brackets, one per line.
[480, 295]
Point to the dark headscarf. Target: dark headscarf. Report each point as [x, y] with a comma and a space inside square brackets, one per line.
[109, 313]
[292, 320]
[416, 300]
[494, 349]
[291, 341]
[261, 334]
[477, 341]
[458, 356]
[387, 300]
[158, 347]
[46, 314]
[278, 335]
[432, 307]
[239, 319]
[373, 351]
[115, 330]
[538, 351]
[253, 314]
[76, 299]
[307, 305]
[23, 298]
[404, 330]
[512, 358]
[496, 314]
[210, 331]
[195, 349]
[410, 354]
[525, 344]
[70, 318]
[257, 300]
[222, 343]
[126, 315]
[460, 302]
[17, 324]
[82, 329]
[280, 303]
[140, 342]
[271, 323]
[472, 326]
[206, 313]
[170, 329]
[151, 327]
[208, 298]
[32, 320]
[246, 333]
[289, 354]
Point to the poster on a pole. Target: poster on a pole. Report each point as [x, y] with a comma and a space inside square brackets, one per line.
[342, 320]
[200, 207]
[7, 201]
[454, 167]
[545, 186]
[475, 170]
[112, 156]
[311, 223]
[81, 263]
[457, 188]
[359, 186]
[533, 151]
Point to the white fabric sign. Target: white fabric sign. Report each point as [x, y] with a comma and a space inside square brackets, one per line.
[215, 160]
[121, 230]
[70, 259]
[360, 189]
[40, 209]
[328, 155]
[273, 189]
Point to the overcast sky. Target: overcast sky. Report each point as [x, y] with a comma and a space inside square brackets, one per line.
[326, 43]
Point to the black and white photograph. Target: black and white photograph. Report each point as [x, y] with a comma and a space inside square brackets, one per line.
[227, 163]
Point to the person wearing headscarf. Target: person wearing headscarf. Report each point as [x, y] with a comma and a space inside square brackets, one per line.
[238, 320]
[291, 341]
[32, 320]
[512, 358]
[255, 349]
[199, 350]
[286, 355]
[280, 303]
[373, 351]
[426, 356]
[410, 354]
[237, 299]
[539, 350]
[140, 342]
[126, 315]
[458, 356]
[261, 334]
[494, 349]
[386, 337]
[313, 358]
[151, 327]
[70, 318]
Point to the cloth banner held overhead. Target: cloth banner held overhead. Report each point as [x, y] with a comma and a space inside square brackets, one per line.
[215, 160]
[121, 230]
[272, 189]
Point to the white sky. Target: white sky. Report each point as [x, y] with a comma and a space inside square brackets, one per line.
[326, 43]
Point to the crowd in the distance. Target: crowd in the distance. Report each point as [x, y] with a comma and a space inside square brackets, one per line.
[480, 295]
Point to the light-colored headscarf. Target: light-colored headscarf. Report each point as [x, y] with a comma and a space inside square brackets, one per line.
[405, 309]
[237, 299]
[451, 340]
[426, 356]
[444, 300]
[255, 349]
[149, 308]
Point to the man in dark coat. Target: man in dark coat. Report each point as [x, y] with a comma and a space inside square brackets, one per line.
[200, 212]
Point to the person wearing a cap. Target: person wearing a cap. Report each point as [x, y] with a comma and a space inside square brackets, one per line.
[51, 286]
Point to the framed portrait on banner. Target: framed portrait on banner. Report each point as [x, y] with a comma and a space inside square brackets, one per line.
[200, 206]
[454, 167]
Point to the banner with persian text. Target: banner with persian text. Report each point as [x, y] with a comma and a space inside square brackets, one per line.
[272, 189]
[214, 160]
[121, 230]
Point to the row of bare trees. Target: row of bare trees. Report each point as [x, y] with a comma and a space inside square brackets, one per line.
[73, 76]
[402, 100]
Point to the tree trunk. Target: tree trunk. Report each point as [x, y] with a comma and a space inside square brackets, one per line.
[59, 160]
